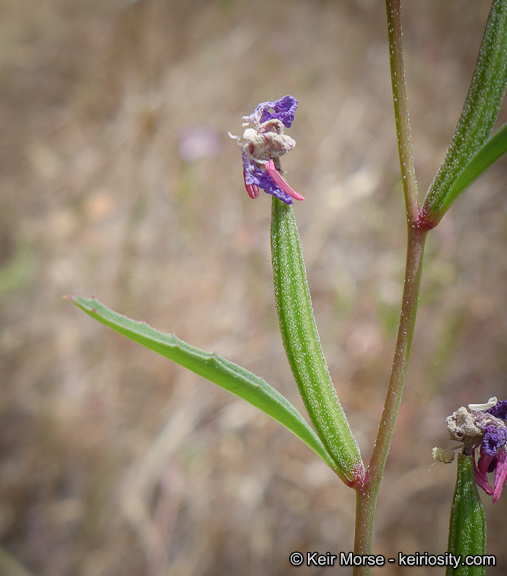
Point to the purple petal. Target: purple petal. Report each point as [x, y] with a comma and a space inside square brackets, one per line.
[283, 109]
[494, 439]
[249, 169]
[499, 410]
[254, 176]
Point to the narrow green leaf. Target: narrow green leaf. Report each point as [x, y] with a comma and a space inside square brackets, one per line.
[492, 150]
[214, 368]
[467, 526]
[479, 113]
[302, 345]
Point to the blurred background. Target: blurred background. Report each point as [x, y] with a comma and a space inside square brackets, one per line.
[118, 180]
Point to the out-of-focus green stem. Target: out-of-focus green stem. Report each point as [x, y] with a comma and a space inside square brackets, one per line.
[366, 495]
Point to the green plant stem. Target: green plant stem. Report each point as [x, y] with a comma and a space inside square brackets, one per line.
[395, 36]
[366, 495]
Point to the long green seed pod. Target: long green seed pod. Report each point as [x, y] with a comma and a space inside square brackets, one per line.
[302, 345]
[467, 526]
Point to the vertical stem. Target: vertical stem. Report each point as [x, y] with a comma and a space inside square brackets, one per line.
[395, 36]
[415, 251]
[366, 495]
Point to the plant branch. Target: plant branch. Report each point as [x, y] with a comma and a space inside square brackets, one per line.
[366, 496]
[415, 250]
[395, 36]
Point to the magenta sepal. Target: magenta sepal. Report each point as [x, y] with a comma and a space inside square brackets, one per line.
[481, 470]
[500, 474]
[252, 189]
[280, 182]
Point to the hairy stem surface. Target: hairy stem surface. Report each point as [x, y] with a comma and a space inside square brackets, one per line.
[401, 116]
[366, 498]
[366, 495]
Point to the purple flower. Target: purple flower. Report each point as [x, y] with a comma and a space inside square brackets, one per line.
[481, 469]
[499, 410]
[494, 439]
[263, 144]
[283, 109]
[493, 457]
[488, 463]
[482, 428]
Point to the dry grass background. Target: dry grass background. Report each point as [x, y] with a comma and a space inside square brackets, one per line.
[116, 462]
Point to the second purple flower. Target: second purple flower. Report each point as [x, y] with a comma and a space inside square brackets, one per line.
[482, 429]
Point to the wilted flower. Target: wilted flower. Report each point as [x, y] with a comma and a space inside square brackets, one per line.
[482, 428]
[263, 143]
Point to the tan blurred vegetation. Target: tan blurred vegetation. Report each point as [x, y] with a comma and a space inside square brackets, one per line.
[118, 180]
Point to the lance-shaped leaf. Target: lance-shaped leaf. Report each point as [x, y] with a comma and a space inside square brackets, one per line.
[478, 116]
[467, 526]
[494, 149]
[214, 368]
[302, 345]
